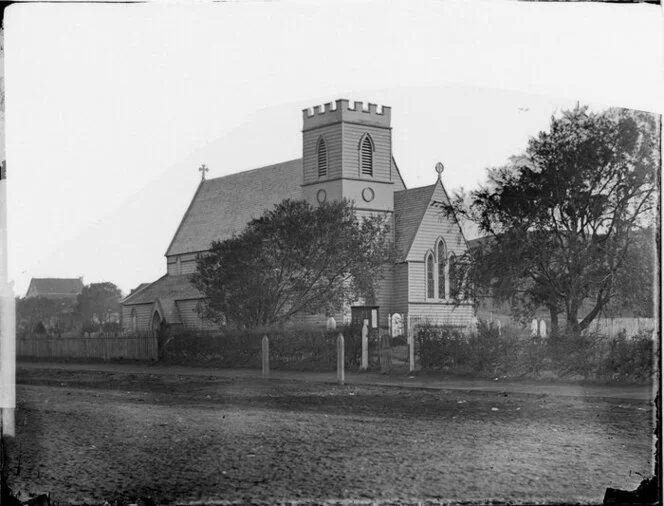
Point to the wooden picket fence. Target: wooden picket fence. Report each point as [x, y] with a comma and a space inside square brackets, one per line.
[105, 347]
[631, 326]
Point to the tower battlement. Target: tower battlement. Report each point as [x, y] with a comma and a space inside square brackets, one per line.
[342, 110]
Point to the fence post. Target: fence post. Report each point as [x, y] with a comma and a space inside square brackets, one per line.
[411, 352]
[266, 357]
[365, 346]
[340, 360]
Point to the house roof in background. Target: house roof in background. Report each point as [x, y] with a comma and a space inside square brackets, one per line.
[224, 205]
[166, 287]
[55, 287]
[409, 208]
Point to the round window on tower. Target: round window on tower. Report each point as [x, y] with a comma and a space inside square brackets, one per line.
[321, 196]
[368, 194]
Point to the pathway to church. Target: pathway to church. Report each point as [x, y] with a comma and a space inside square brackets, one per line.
[96, 433]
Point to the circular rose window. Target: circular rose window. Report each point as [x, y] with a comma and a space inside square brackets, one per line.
[321, 196]
[368, 194]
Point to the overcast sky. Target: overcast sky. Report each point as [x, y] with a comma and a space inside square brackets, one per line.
[111, 108]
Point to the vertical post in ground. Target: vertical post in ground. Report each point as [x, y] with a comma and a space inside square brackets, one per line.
[266, 357]
[341, 377]
[411, 351]
[365, 346]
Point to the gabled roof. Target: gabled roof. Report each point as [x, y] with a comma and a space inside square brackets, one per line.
[54, 287]
[224, 205]
[396, 168]
[168, 310]
[139, 287]
[166, 287]
[409, 208]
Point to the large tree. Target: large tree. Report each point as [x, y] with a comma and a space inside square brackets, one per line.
[98, 301]
[294, 258]
[54, 314]
[565, 221]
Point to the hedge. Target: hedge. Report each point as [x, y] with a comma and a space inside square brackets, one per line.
[489, 352]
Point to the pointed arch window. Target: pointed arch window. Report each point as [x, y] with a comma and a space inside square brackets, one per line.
[430, 276]
[452, 275]
[134, 323]
[366, 155]
[322, 158]
[442, 266]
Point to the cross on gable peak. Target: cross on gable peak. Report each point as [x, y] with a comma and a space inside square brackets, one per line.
[203, 169]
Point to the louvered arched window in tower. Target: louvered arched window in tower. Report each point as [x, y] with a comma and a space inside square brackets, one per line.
[322, 158]
[441, 268]
[366, 155]
[429, 276]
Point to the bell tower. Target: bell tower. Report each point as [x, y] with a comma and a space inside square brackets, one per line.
[347, 153]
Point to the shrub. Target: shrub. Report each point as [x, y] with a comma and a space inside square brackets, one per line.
[629, 358]
[486, 351]
[440, 346]
[399, 341]
[290, 348]
[89, 327]
[111, 328]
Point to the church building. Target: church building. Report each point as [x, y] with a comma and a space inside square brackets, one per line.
[346, 153]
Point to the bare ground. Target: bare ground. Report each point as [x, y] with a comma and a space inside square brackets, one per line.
[90, 437]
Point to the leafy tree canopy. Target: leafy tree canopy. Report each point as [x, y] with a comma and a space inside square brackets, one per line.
[30, 311]
[567, 221]
[294, 258]
[98, 301]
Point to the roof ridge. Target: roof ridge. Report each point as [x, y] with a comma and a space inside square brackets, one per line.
[431, 186]
[247, 171]
[224, 205]
[126, 299]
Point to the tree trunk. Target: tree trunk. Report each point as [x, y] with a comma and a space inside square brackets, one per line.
[553, 312]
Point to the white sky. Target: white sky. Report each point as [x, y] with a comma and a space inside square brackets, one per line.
[111, 108]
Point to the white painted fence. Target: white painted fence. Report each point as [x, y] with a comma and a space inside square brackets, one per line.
[632, 326]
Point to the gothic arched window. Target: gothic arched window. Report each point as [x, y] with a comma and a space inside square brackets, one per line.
[322, 158]
[429, 276]
[134, 325]
[440, 250]
[366, 155]
[452, 275]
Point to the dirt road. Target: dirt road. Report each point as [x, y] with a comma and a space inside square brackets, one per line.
[90, 437]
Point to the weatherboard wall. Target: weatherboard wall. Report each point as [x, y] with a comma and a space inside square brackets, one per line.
[435, 223]
[143, 316]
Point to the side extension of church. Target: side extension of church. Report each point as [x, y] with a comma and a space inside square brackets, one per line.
[346, 153]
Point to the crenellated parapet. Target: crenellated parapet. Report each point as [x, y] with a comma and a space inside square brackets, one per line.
[342, 110]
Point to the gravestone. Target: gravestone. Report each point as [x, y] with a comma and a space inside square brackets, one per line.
[534, 328]
[331, 323]
[542, 329]
[397, 325]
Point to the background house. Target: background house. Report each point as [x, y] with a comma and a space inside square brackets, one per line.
[55, 288]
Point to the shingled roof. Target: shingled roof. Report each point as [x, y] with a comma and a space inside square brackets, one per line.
[224, 205]
[166, 287]
[54, 287]
[409, 208]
